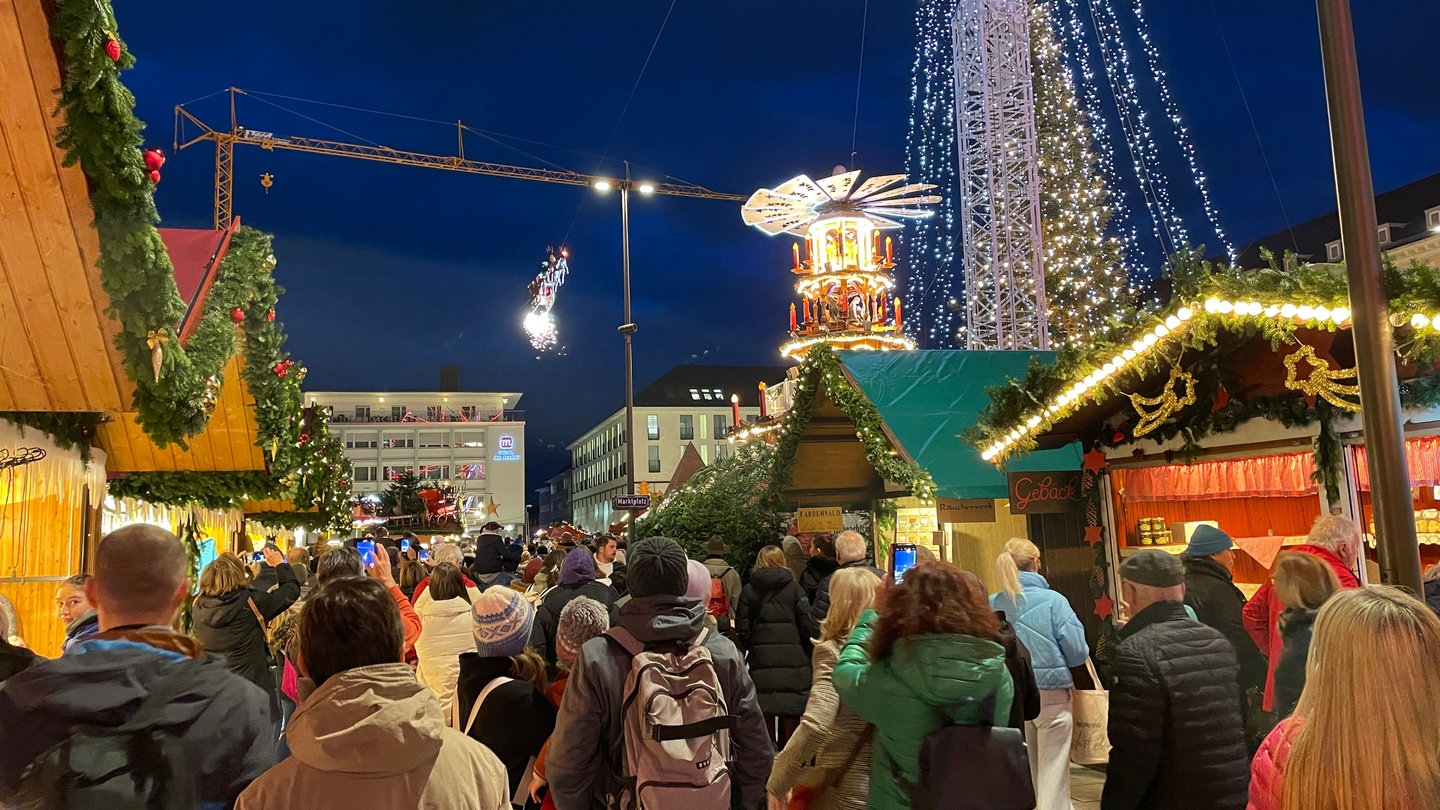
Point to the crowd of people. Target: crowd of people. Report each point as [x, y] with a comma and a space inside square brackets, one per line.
[594, 675]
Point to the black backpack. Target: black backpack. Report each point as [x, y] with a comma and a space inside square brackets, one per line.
[965, 767]
[137, 765]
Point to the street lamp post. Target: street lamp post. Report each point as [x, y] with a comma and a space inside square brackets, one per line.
[628, 327]
[1369, 309]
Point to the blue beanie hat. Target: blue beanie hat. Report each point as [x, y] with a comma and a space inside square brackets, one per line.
[1207, 541]
[501, 621]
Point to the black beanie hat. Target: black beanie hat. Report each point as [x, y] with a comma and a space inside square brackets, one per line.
[655, 566]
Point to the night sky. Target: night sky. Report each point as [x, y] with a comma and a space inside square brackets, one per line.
[392, 271]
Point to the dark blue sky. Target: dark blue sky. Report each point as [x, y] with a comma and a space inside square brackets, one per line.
[392, 271]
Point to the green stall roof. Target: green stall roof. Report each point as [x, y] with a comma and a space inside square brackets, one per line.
[927, 398]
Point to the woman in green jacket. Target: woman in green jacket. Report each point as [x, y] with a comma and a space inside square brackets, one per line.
[931, 642]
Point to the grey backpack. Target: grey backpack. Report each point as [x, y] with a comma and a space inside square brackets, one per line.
[676, 727]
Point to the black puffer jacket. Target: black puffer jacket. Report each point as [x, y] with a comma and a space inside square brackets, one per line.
[1210, 590]
[547, 615]
[1175, 727]
[773, 620]
[227, 626]
[817, 570]
[1296, 625]
[493, 555]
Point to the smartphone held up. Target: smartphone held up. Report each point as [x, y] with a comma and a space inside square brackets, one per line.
[902, 559]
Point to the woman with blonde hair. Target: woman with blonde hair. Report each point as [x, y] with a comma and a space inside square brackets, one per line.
[1365, 732]
[772, 618]
[827, 760]
[1302, 584]
[1050, 630]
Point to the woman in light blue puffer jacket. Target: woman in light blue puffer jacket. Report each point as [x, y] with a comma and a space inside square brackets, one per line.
[1045, 622]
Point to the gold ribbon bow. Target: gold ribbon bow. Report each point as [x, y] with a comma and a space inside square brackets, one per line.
[1323, 380]
[156, 340]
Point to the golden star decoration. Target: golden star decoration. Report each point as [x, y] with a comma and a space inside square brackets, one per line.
[492, 509]
[1323, 380]
[1167, 404]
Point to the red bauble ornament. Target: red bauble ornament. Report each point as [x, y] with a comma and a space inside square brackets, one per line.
[155, 176]
[1222, 398]
[237, 315]
[154, 159]
[304, 437]
[112, 49]
[270, 316]
[1118, 437]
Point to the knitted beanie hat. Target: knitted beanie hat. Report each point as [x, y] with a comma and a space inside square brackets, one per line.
[699, 581]
[501, 620]
[657, 566]
[581, 620]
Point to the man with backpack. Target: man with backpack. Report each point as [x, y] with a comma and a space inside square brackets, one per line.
[137, 716]
[640, 725]
[725, 584]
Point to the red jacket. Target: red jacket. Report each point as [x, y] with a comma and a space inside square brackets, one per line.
[1267, 770]
[1262, 615]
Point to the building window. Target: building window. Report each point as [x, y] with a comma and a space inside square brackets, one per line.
[687, 427]
[434, 438]
[434, 413]
[652, 427]
[363, 473]
[705, 453]
[435, 472]
[393, 473]
[1334, 252]
[1432, 219]
[1384, 233]
[469, 438]
[362, 413]
[695, 394]
[398, 441]
[722, 451]
[471, 472]
[722, 422]
[360, 440]
[654, 458]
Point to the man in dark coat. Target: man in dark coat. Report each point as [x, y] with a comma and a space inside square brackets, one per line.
[1177, 737]
[220, 720]
[582, 766]
[1210, 591]
[850, 553]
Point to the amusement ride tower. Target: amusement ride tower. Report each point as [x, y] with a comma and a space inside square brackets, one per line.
[844, 277]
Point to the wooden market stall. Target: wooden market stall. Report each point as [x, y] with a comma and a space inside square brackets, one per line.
[1236, 406]
[876, 433]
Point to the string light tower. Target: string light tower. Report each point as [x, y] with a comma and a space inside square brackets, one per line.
[999, 177]
[845, 277]
[1086, 280]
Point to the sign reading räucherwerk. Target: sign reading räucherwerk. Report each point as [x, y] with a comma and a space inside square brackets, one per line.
[819, 519]
[969, 510]
[1044, 493]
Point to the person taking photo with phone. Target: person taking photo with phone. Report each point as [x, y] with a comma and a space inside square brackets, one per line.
[232, 616]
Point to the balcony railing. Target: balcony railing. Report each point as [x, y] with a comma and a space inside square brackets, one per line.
[420, 419]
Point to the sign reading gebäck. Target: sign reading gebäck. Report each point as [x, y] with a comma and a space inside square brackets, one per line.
[1044, 493]
[819, 519]
[971, 510]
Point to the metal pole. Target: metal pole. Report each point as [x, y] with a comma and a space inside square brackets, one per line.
[1369, 309]
[628, 330]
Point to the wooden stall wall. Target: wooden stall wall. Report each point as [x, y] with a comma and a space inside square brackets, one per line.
[42, 526]
[974, 546]
[1068, 563]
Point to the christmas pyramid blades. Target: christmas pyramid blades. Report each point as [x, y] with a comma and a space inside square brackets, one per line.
[794, 205]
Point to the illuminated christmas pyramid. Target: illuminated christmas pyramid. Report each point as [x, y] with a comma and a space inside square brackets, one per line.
[845, 279]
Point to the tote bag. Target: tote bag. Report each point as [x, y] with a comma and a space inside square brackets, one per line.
[1090, 739]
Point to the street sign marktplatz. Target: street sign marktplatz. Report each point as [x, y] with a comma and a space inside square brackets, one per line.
[632, 503]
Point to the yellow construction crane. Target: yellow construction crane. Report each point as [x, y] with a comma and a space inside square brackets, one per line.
[226, 140]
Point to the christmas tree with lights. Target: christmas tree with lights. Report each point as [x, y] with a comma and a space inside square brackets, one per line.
[1086, 281]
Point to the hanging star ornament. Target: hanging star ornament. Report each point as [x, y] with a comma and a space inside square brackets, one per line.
[492, 509]
[1170, 401]
[1323, 380]
[1104, 606]
[1094, 461]
[1093, 535]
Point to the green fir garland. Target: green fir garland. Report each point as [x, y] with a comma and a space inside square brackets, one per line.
[821, 363]
[65, 429]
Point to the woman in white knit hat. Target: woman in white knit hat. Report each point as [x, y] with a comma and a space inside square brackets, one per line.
[500, 696]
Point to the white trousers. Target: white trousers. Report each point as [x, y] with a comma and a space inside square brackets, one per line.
[1048, 738]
